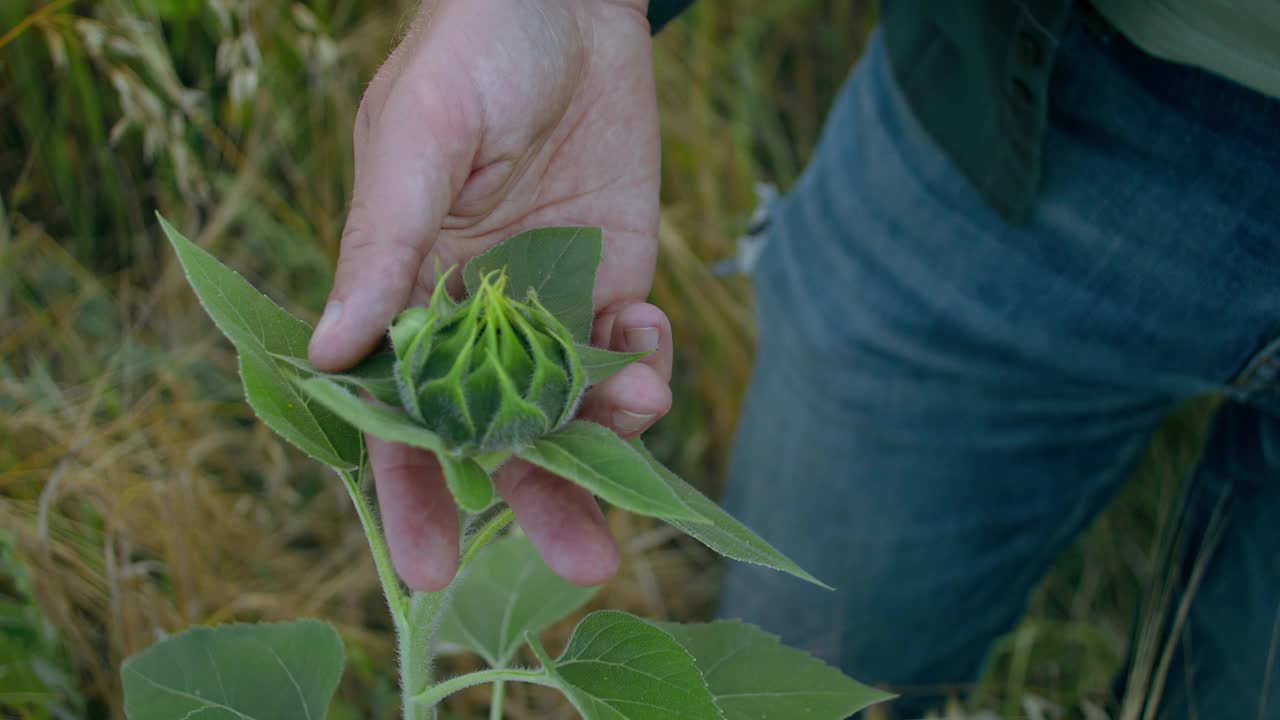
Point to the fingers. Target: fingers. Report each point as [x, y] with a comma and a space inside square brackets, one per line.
[418, 514]
[641, 327]
[639, 395]
[562, 520]
[628, 403]
[413, 155]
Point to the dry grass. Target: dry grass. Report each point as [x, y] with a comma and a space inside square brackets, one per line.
[136, 490]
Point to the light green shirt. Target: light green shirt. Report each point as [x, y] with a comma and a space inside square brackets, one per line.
[1238, 39]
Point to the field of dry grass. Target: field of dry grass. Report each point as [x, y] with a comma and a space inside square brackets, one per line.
[138, 495]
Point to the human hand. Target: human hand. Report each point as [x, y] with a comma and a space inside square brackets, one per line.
[490, 118]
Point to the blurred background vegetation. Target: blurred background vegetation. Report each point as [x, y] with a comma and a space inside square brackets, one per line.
[137, 493]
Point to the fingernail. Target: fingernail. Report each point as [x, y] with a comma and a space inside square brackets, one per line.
[329, 320]
[626, 422]
[642, 339]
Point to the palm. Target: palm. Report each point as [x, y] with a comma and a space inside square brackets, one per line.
[595, 163]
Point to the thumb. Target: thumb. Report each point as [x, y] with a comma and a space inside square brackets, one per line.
[412, 157]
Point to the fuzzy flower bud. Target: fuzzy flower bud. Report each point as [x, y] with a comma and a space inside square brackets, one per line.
[491, 373]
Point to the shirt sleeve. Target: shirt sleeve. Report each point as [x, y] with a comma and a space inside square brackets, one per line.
[662, 11]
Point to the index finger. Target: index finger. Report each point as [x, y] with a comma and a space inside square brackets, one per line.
[416, 154]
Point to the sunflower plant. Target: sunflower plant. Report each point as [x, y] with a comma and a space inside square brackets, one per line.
[495, 376]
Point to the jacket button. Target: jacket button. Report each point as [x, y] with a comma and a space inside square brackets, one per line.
[1028, 49]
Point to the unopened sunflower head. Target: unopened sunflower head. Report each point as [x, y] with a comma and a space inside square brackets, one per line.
[491, 373]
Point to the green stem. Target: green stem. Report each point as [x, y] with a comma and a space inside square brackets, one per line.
[416, 659]
[415, 616]
[480, 538]
[391, 589]
[461, 682]
[495, 704]
[410, 676]
[415, 631]
[539, 652]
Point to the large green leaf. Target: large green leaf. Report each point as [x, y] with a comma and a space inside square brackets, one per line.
[559, 264]
[506, 592]
[289, 413]
[601, 364]
[260, 331]
[619, 667]
[720, 531]
[598, 460]
[384, 422]
[236, 672]
[753, 675]
[375, 375]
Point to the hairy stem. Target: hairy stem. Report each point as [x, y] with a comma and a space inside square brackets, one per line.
[416, 658]
[411, 680]
[495, 704]
[425, 609]
[414, 618]
[461, 682]
[391, 589]
[481, 537]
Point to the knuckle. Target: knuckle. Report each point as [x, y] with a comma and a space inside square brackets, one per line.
[356, 235]
[442, 113]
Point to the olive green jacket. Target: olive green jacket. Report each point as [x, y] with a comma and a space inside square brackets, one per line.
[976, 74]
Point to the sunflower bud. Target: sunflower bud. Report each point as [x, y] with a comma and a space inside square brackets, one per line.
[491, 373]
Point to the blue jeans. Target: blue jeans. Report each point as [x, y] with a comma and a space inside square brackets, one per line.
[943, 400]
